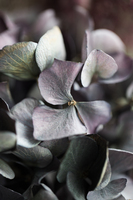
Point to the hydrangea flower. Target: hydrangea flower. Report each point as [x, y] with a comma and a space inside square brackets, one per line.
[73, 118]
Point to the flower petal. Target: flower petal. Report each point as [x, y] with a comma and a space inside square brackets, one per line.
[107, 41]
[7, 140]
[18, 61]
[10, 194]
[120, 160]
[5, 170]
[22, 113]
[55, 82]
[56, 123]
[50, 46]
[111, 191]
[93, 114]
[98, 62]
[76, 186]
[125, 69]
[37, 156]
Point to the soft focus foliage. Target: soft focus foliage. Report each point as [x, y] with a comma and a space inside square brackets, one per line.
[66, 102]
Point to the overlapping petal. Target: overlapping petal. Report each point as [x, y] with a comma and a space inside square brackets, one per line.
[100, 63]
[93, 114]
[52, 123]
[55, 82]
[111, 191]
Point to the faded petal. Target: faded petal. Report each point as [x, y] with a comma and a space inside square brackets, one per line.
[120, 160]
[7, 140]
[52, 123]
[22, 113]
[18, 61]
[55, 82]
[100, 63]
[107, 41]
[94, 114]
[5, 170]
[111, 191]
[50, 46]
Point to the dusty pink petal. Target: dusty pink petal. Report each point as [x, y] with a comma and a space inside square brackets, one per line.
[55, 82]
[93, 114]
[52, 123]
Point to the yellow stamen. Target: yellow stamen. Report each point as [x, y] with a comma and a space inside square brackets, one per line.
[72, 103]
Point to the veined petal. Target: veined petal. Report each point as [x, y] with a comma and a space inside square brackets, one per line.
[55, 82]
[93, 114]
[52, 123]
[100, 63]
[50, 46]
[111, 191]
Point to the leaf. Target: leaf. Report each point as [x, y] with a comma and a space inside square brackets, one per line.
[111, 191]
[7, 140]
[18, 61]
[36, 156]
[50, 46]
[52, 123]
[93, 114]
[6, 193]
[100, 63]
[5, 170]
[55, 82]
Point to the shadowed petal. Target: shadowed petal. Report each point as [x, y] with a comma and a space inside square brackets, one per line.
[56, 123]
[6, 170]
[6, 193]
[5, 93]
[120, 160]
[55, 82]
[37, 156]
[7, 140]
[76, 186]
[93, 114]
[111, 191]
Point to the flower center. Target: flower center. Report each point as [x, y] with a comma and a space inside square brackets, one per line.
[72, 103]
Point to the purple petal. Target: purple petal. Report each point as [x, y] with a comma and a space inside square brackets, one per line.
[94, 114]
[22, 113]
[125, 69]
[100, 63]
[111, 191]
[120, 160]
[56, 123]
[55, 82]
[107, 41]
